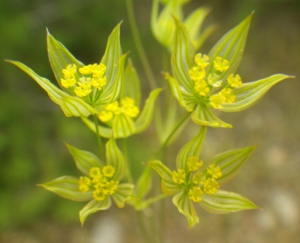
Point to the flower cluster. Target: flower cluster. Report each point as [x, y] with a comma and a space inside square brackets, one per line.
[205, 85]
[100, 182]
[90, 76]
[127, 106]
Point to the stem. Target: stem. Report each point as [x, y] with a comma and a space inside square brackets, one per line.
[100, 144]
[143, 227]
[139, 45]
[125, 152]
[170, 136]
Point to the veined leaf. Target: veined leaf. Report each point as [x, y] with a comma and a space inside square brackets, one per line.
[105, 132]
[74, 106]
[93, 207]
[249, 93]
[84, 160]
[225, 202]
[60, 58]
[123, 193]
[144, 183]
[182, 56]
[115, 158]
[231, 47]
[144, 119]
[231, 162]
[67, 187]
[192, 148]
[203, 116]
[186, 207]
[123, 126]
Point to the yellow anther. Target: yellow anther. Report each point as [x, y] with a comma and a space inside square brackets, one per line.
[108, 171]
[193, 163]
[214, 171]
[84, 184]
[178, 177]
[217, 100]
[234, 81]
[221, 64]
[197, 178]
[197, 73]
[228, 96]
[195, 194]
[111, 187]
[210, 186]
[201, 61]
[99, 194]
[129, 108]
[214, 80]
[201, 87]
[95, 172]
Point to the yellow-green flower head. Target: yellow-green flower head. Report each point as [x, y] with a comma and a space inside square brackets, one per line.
[195, 194]
[179, 176]
[194, 163]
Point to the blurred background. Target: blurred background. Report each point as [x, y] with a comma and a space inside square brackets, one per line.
[33, 129]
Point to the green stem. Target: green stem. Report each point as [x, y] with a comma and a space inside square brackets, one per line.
[139, 45]
[125, 152]
[143, 227]
[100, 144]
[156, 155]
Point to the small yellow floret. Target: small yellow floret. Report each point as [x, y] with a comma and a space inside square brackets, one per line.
[201, 61]
[214, 171]
[214, 80]
[216, 100]
[84, 184]
[197, 73]
[201, 87]
[210, 186]
[178, 177]
[193, 163]
[195, 194]
[111, 187]
[69, 79]
[234, 81]
[221, 64]
[98, 82]
[197, 178]
[114, 107]
[86, 69]
[105, 116]
[99, 194]
[84, 87]
[95, 172]
[228, 96]
[108, 171]
[129, 108]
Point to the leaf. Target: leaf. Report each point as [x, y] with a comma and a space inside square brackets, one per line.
[131, 84]
[192, 148]
[67, 187]
[84, 160]
[168, 185]
[144, 183]
[60, 58]
[105, 132]
[231, 162]
[123, 126]
[93, 207]
[203, 116]
[182, 55]
[74, 106]
[231, 47]
[249, 93]
[144, 119]
[186, 207]
[123, 193]
[115, 158]
[225, 202]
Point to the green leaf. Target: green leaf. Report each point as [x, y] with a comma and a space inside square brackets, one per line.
[192, 148]
[123, 126]
[168, 185]
[60, 58]
[186, 207]
[105, 132]
[182, 56]
[67, 187]
[203, 116]
[93, 207]
[115, 158]
[123, 194]
[131, 84]
[231, 162]
[84, 160]
[249, 93]
[144, 119]
[225, 202]
[54, 93]
[144, 183]
[75, 106]
[231, 47]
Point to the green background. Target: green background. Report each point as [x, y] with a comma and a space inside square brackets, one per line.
[33, 128]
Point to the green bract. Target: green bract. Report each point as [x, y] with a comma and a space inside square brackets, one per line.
[163, 26]
[83, 92]
[194, 182]
[99, 183]
[123, 117]
[202, 82]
